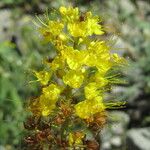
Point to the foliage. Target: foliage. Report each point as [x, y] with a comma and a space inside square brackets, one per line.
[10, 102]
[15, 62]
[12, 1]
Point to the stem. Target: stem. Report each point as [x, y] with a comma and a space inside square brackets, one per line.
[75, 44]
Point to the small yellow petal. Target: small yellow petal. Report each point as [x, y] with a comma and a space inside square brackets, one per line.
[91, 91]
[88, 108]
[69, 14]
[43, 76]
[73, 78]
[52, 91]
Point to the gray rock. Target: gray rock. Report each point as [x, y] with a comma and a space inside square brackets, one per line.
[112, 136]
[120, 117]
[106, 146]
[117, 129]
[127, 6]
[138, 139]
[5, 23]
[116, 141]
[2, 148]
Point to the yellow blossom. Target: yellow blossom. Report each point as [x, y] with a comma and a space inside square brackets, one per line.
[75, 138]
[47, 35]
[43, 76]
[53, 29]
[88, 108]
[91, 90]
[98, 47]
[52, 91]
[42, 105]
[117, 59]
[99, 56]
[77, 29]
[57, 63]
[103, 68]
[100, 80]
[93, 26]
[70, 14]
[63, 37]
[71, 139]
[46, 105]
[75, 58]
[73, 78]
[86, 27]
[48, 99]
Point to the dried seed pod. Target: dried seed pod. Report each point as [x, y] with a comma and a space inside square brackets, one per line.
[66, 110]
[41, 136]
[92, 145]
[98, 122]
[82, 17]
[43, 125]
[30, 123]
[30, 140]
[59, 120]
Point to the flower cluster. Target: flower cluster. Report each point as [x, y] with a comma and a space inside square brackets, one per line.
[75, 80]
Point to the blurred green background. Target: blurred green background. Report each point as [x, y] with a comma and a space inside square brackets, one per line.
[21, 50]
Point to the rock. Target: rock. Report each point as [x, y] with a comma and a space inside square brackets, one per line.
[106, 146]
[120, 117]
[116, 141]
[127, 6]
[117, 129]
[112, 136]
[5, 24]
[2, 148]
[138, 139]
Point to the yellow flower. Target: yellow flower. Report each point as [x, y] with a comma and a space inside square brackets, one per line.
[99, 56]
[88, 108]
[86, 27]
[91, 90]
[43, 76]
[46, 105]
[75, 138]
[63, 37]
[75, 58]
[100, 80]
[117, 59]
[98, 47]
[69, 14]
[71, 139]
[52, 91]
[73, 78]
[77, 29]
[55, 27]
[93, 26]
[48, 99]
[50, 31]
[47, 35]
[42, 105]
[103, 68]
[57, 63]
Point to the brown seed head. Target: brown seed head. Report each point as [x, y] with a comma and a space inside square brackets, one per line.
[92, 145]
